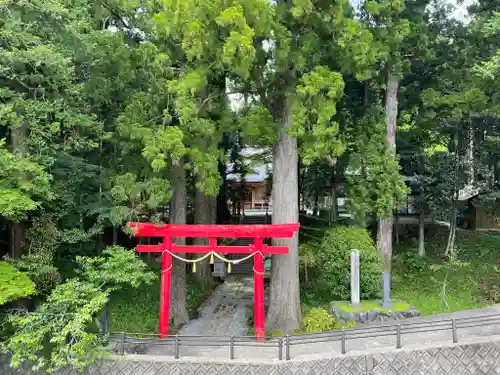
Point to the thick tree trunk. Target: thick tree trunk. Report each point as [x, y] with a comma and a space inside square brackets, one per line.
[385, 225]
[178, 307]
[299, 185]
[204, 213]
[284, 306]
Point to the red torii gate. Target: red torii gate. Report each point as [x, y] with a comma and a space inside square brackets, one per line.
[212, 232]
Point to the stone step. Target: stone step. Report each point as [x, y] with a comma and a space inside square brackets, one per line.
[254, 220]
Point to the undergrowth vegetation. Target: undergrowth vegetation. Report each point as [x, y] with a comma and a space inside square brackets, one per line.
[136, 310]
[435, 284]
[329, 265]
[432, 284]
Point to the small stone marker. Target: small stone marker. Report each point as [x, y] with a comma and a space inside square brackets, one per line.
[355, 278]
[219, 268]
[387, 290]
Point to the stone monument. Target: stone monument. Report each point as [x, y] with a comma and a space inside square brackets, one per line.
[355, 300]
[387, 290]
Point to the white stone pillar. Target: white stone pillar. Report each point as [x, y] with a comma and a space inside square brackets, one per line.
[355, 278]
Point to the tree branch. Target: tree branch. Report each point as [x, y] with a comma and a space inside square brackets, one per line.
[214, 96]
[115, 14]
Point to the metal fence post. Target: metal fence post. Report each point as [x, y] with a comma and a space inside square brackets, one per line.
[454, 330]
[231, 347]
[176, 348]
[343, 346]
[398, 336]
[280, 348]
[122, 343]
[287, 347]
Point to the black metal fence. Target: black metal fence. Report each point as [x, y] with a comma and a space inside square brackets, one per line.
[283, 345]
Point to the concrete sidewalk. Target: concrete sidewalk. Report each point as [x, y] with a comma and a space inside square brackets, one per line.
[311, 349]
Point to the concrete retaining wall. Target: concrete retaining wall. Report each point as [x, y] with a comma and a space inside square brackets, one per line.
[471, 359]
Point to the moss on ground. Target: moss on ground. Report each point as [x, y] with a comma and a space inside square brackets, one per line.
[374, 305]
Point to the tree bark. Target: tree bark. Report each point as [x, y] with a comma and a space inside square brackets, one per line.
[421, 224]
[284, 311]
[16, 239]
[299, 185]
[333, 205]
[178, 306]
[450, 246]
[421, 233]
[396, 227]
[385, 225]
[115, 235]
[223, 214]
[204, 213]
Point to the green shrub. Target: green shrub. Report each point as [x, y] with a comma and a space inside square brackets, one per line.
[276, 333]
[44, 274]
[411, 261]
[14, 284]
[317, 320]
[333, 263]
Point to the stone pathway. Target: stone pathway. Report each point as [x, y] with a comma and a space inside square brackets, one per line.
[225, 313]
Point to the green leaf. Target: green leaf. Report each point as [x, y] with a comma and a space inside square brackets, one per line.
[14, 284]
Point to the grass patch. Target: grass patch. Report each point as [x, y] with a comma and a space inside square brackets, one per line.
[308, 314]
[436, 285]
[374, 305]
[136, 310]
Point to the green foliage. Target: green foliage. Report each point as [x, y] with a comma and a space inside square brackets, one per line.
[59, 333]
[14, 284]
[137, 309]
[318, 320]
[136, 198]
[468, 280]
[307, 252]
[43, 273]
[118, 266]
[373, 305]
[492, 292]
[412, 262]
[490, 68]
[319, 91]
[59, 329]
[41, 243]
[375, 185]
[444, 176]
[333, 263]
[24, 184]
[273, 333]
